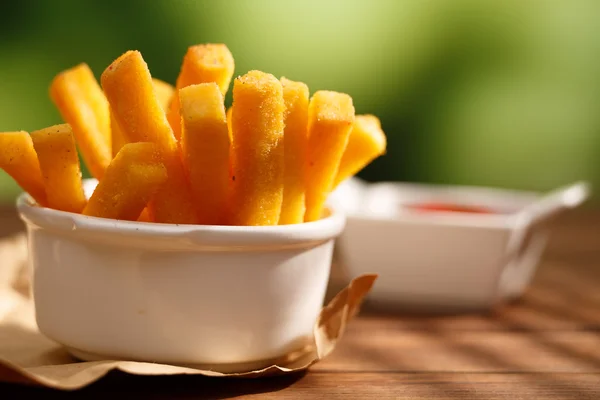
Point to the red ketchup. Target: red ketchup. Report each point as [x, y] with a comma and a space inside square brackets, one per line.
[446, 207]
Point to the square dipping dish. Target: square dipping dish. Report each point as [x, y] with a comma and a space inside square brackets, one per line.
[443, 248]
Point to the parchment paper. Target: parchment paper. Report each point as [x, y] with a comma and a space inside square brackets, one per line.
[28, 357]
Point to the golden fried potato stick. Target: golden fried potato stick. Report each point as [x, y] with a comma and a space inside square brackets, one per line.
[229, 113]
[129, 89]
[59, 163]
[128, 86]
[81, 103]
[205, 147]
[130, 181]
[257, 151]
[164, 92]
[145, 216]
[330, 119]
[367, 142]
[118, 136]
[202, 64]
[295, 138]
[19, 160]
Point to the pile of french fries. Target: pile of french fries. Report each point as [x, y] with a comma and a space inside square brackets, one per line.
[175, 155]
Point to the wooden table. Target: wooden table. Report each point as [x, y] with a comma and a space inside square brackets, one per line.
[546, 346]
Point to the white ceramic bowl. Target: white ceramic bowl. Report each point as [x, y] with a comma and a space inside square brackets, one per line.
[179, 294]
[445, 261]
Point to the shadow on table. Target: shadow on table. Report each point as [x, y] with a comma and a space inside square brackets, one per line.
[164, 387]
[484, 369]
[540, 322]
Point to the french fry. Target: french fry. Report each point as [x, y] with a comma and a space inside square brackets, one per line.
[367, 141]
[118, 136]
[205, 147]
[118, 141]
[59, 163]
[128, 86]
[145, 216]
[81, 103]
[257, 151]
[202, 64]
[164, 92]
[19, 160]
[330, 120]
[295, 137]
[130, 181]
[229, 113]
[129, 89]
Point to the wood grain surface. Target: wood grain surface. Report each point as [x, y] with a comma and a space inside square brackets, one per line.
[544, 346]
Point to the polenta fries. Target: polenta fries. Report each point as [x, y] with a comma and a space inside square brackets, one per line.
[83, 106]
[331, 116]
[202, 64]
[137, 110]
[367, 142]
[295, 95]
[257, 153]
[131, 179]
[205, 147]
[165, 153]
[59, 163]
[19, 160]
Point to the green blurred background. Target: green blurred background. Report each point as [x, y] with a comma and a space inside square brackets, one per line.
[496, 93]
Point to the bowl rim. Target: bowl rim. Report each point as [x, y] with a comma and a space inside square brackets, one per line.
[400, 215]
[69, 223]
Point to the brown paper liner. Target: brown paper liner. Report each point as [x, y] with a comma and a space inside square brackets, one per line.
[28, 357]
